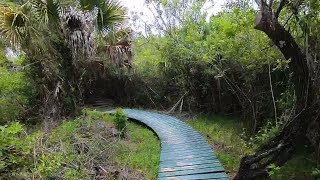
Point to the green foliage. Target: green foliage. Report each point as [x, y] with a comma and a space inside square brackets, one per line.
[316, 173]
[119, 120]
[218, 61]
[268, 132]
[273, 169]
[68, 151]
[15, 91]
[16, 149]
[148, 57]
[141, 153]
[3, 59]
[265, 134]
[43, 31]
[301, 166]
[16, 94]
[224, 134]
[110, 13]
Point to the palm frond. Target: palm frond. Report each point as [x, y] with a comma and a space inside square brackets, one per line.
[47, 11]
[12, 25]
[89, 5]
[110, 12]
[117, 36]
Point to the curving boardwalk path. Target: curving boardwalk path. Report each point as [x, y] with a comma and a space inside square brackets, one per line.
[185, 154]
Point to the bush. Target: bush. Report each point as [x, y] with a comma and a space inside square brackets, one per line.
[316, 173]
[71, 150]
[15, 95]
[15, 149]
[119, 120]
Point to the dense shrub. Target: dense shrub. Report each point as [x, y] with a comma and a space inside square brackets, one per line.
[16, 149]
[119, 120]
[72, 150]
[213, 63]
[15, 95]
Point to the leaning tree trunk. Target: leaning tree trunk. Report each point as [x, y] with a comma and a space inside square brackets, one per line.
[279, 150]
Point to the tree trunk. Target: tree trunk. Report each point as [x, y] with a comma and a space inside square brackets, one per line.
[280, 149]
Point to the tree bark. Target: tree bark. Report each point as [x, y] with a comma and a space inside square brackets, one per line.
[280, 149]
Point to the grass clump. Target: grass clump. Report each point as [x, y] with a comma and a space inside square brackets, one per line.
[76, 149]
[119, 121]
[141, 151]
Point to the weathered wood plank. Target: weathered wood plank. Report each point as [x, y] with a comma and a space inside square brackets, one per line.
[185, 154]
[192, 172]
[199, 166]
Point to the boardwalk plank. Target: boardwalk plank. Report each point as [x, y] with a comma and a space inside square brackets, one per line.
[192, 172]
[200, 166]
[185, 154]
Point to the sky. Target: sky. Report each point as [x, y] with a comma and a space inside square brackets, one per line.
[138, 6]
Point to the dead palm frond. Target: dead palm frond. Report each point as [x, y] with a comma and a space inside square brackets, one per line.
[119, 47]
[79, 29]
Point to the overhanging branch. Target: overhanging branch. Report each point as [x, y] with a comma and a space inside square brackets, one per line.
[281, 6]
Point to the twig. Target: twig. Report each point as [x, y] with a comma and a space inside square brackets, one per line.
[272, 94]
[177, 103]
[181, 105]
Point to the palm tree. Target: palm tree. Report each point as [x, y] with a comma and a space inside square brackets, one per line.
[58, 38]
[116, 40]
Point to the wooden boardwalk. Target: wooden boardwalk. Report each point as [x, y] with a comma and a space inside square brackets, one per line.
[185, 154]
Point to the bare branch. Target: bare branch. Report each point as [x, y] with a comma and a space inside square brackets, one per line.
[281, 6]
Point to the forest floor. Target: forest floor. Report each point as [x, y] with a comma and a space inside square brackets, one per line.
[90, 147]
[137, 153]
[101, 152]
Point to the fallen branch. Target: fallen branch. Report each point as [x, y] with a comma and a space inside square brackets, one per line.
[177, 103]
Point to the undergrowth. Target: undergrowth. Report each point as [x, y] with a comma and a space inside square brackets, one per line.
[226, 135]
[16, 94]
[88, 147]
[139, 150]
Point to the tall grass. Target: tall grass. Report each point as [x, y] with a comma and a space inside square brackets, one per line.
[224, 134]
